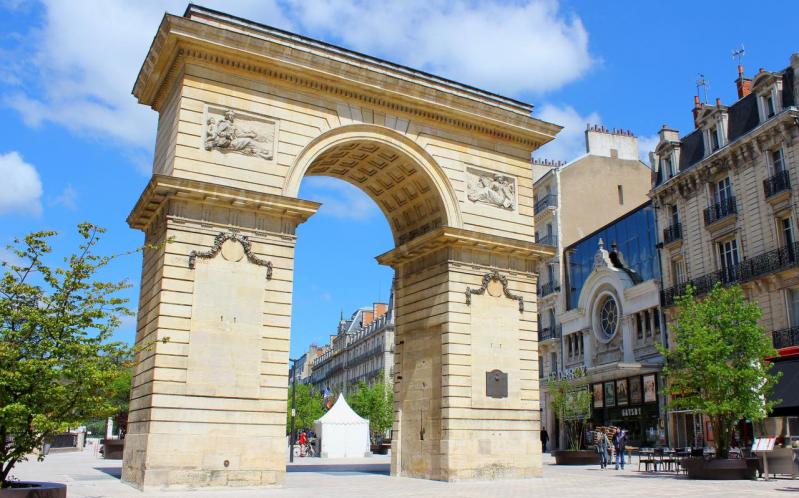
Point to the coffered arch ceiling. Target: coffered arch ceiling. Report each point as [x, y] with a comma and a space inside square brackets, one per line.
[398, 184]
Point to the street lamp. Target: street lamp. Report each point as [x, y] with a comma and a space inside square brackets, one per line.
[292, 437]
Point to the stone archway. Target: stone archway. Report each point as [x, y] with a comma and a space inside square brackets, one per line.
[246, 111]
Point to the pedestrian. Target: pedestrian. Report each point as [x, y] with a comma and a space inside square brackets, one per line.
[303, 441]
[619, 444]
[544, 439]
[602, 445]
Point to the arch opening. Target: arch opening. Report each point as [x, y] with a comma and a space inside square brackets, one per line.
[404, 181]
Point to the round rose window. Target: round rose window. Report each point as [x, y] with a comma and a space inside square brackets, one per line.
[608, 317]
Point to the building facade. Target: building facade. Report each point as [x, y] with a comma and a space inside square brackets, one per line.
[726, 201]
[612, 325]
[567, 196]
[361, 350]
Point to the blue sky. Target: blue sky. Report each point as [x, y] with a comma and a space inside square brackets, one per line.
[75, 145]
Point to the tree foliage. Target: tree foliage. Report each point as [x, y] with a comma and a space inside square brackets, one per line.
[718, 363]
[375, 403]
[571, 402]
[58, 367]
[309, 407]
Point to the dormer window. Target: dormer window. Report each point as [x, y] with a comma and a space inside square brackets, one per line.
[769, 105]
[715, 143]
[667, 165]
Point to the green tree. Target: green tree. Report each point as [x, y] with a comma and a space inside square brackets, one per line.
[375, 403]
[571, 402]
[58, 367]
[718, 363]
[309, 408]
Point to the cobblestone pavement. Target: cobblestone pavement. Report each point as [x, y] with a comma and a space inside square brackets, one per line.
[90, 477]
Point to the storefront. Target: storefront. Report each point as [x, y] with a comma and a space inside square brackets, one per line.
[630, 403]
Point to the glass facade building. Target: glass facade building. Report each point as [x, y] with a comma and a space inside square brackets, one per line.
[635, 236]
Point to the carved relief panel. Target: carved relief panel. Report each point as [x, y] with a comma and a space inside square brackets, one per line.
[228, 131]
[484, 187]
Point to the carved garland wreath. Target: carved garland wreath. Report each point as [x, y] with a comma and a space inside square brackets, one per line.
[223, 237]
[488, 277]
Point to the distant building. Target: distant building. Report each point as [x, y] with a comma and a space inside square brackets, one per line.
[361, 350]
[302, 374]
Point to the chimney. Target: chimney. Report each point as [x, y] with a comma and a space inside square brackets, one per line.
[718, 102]
[368, 317]
[744, 85]
[379, 309]
[697, 109]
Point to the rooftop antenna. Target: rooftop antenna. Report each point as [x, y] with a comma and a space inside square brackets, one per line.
[739, 53]
[703, 84]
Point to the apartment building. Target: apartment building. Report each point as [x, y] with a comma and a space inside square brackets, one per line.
[361, 350]
[726, 200]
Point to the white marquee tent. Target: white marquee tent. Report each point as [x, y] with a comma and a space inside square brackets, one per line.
[342, 432]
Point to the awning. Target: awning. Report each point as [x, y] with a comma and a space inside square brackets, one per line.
[787, 388]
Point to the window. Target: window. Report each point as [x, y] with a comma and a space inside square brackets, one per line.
[786, 231]
[540, 367]
[714, 138]
[675, 215]
[569, 340]
[793, 307]
[668, 167]
[639, 326]
[770, 110]
[723, 191]
[728, 257]
[621, 194]
[647, 324]
[777, 162]
[608, 317]
[553, 359]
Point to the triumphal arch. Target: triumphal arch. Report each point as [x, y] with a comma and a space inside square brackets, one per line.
[245, 112]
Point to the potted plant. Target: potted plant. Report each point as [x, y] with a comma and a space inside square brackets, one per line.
[571, 402]
[717, 366]
[58, 366]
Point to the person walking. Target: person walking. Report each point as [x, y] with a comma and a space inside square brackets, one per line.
[602, 445]
[544, 439]
[619, 444]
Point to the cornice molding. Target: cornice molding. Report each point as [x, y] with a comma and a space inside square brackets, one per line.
[449, 237]
[286, 62]
[162, 189]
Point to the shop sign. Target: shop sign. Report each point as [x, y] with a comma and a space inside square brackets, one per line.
[568, 374]
[631, 412]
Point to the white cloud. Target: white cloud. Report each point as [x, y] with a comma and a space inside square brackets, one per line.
[569, 144]
[505, 47]
[339, 199]
[646, 145]
[22, 187]
[67, 198]
[81, 62]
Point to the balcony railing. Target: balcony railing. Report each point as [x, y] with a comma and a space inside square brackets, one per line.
[720, 210]
[545, 202]
[548, 333]
[548, 240]
[548, 288]
[785, 338]
[748, 269]
[672, 233]
[777, 183]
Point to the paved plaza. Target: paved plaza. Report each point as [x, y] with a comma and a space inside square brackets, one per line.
[91, 477]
